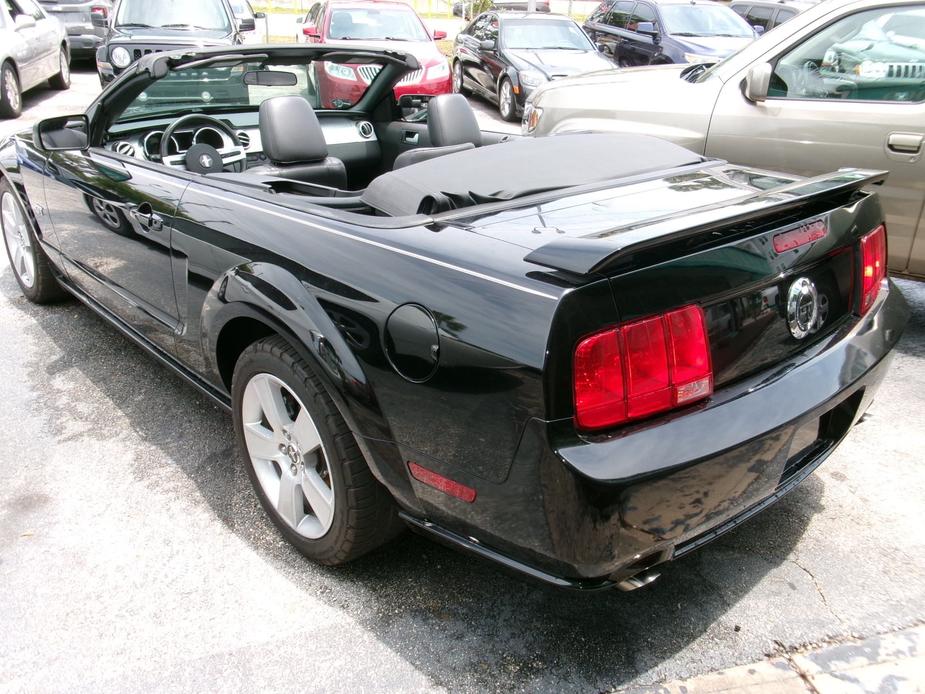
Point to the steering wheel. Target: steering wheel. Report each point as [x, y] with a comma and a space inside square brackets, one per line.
[203, 158]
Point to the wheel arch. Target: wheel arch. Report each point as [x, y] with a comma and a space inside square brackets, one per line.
[258, 300]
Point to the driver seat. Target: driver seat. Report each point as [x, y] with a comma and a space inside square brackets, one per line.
[294, 143]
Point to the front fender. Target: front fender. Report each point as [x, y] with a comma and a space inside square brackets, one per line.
[278, 299]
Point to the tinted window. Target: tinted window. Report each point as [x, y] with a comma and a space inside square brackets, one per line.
[783, 16]
[26, 7]
[760, 17]
[704, 20]
[876, 55]
[740, 10]
[620, 14]
[642, 13]
[479, 28]
[599, 13]
[491, 31]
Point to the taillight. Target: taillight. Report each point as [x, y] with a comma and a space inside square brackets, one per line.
[101, 10]
[873, 266]
[642, 368]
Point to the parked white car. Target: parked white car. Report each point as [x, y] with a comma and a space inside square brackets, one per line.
[33, 48]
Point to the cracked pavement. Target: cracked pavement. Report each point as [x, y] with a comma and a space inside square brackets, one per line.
[134, 556]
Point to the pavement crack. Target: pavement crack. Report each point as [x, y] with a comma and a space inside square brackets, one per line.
[787, 655]
[818, 588]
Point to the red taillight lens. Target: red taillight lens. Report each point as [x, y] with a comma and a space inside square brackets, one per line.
[873, 266]
[642, 368]
[101, 10]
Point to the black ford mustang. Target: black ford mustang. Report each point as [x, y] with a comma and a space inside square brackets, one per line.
[580, 356]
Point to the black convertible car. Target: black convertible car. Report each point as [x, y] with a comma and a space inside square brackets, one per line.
[579, 356]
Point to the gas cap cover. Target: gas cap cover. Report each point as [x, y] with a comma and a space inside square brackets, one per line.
[412, 342]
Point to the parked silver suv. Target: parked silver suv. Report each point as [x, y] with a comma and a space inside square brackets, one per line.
[841, 84]
[85, 23]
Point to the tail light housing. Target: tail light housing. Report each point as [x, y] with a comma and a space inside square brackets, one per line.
[100, 10]
[642, 368]
[873, 266]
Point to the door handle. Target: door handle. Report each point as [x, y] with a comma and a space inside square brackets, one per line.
[409, 137]
[905, 143]
[147, 218]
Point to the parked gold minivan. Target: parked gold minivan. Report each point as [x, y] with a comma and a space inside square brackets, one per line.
[839, 85]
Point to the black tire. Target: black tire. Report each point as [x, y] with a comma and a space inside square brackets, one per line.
[364, 514]
[44, 288]
[507, 113]
[10, 92]
[62, 80]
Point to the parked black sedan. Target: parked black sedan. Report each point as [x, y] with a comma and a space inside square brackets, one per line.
[579, 356]
[659, 32]
[504, 57]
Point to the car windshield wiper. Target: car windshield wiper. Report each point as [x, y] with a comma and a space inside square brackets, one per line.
[687, 33]
[134, 25]
[184, 26]
[390, 38]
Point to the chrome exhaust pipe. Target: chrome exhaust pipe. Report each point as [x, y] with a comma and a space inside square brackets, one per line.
[636, 581]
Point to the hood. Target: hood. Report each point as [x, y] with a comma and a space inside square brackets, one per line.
[559, 63]
[648, 76]
[173, 37]
[719, 46]
[426, 52]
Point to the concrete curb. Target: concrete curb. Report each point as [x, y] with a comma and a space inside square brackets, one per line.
[891, 662]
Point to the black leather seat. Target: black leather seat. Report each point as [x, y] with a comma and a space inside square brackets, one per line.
[294, 143]
[451, 126]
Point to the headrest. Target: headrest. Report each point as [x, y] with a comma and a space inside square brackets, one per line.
[290, 131]
[451, 121]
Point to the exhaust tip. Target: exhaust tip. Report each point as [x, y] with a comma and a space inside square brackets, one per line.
[640, 580]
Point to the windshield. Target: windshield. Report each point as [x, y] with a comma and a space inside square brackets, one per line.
[376, 24]
[324, 84]
[543, 34]
[704, 20]
[210, 15]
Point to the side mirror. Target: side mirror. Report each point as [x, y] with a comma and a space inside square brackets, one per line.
[757, 82]
[247, 24]
[758, 29]
[487, 45]
[439, 35]
[647, 28]
[601, 48]
[262, 15]
[63, 133]
[24, 21]
[311, 32]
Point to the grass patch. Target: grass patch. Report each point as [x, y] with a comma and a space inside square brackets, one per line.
[446, 47]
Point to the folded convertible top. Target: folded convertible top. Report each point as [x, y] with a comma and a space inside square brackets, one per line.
[520, 167]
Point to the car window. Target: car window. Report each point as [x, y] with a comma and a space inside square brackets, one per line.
[372, 23]
[313, 16]
[783, 16]
[544, 34]
[760, 17]
[741, 10]
[479, 28]
[491, 32]
[703, 20]
[203, 14]
[620, 14]
[877, 55]
[641, 13]
[599, 13]
[26, 7]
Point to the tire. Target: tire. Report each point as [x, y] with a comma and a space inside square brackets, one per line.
[297, 448]
[458, 87]
[10, 93]
[28, 261]
[507, 102]
[62, 80]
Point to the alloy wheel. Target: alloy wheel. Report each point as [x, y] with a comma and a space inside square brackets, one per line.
[288, 457]
[457, 77]
[16, 235]
[65, 66]
[11, 85]
[506, 100]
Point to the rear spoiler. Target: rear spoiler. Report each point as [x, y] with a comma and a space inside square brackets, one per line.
[596, 253]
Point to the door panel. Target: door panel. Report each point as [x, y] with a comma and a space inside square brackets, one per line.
[113, 219]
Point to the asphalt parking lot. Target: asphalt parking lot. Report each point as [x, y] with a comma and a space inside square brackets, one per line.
[134, 556]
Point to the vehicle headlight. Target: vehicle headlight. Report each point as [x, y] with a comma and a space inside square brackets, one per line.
[697, 58]
[532, 115]
[531, 78]
[120, 57]
[441, 69]
[344, 72]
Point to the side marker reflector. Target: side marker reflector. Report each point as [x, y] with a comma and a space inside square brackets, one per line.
[441, 483]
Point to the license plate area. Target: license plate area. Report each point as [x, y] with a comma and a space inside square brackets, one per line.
[814, 437]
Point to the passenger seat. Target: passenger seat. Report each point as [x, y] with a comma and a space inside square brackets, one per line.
[451, 126]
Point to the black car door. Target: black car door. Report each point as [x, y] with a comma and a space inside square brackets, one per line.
[640, 48]
[112, 215]
[468, 52]
[490, 56]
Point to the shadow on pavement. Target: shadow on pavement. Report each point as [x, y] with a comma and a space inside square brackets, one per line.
[43, 93]
[448, 615]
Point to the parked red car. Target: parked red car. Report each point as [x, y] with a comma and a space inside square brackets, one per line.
[377, 23]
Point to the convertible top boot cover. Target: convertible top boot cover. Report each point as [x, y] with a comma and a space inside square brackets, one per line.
[518, 168]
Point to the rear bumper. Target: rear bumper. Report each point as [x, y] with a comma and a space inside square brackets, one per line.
[587, 513]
